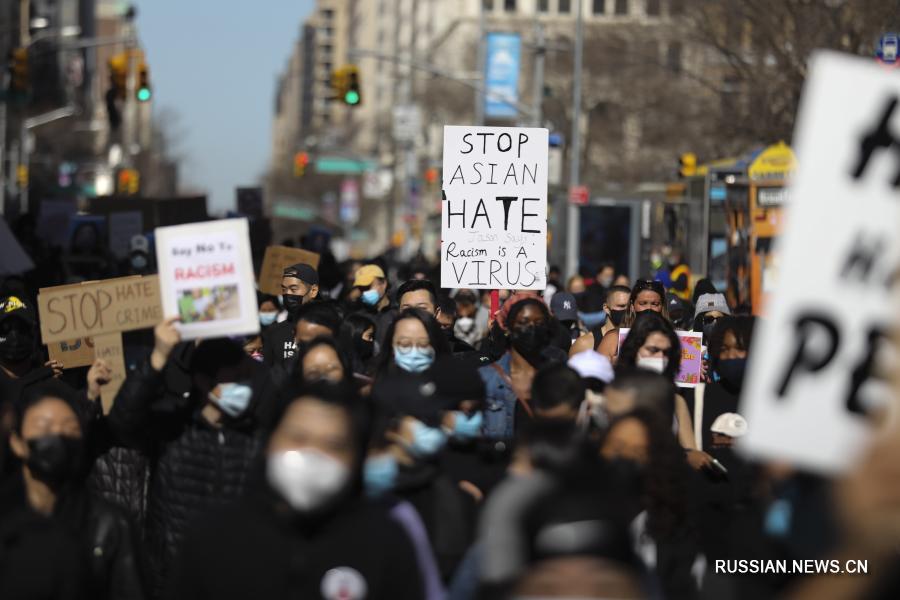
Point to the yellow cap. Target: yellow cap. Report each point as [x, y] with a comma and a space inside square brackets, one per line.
[366, 274]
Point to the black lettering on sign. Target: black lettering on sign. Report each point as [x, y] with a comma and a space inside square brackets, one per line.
[507, 202]
[466, 141]
[880, 137]
[862, 258]
[480, 211]
[806, 358]
[527, 214]
[451, 214]
[863, 371]
[523, 139]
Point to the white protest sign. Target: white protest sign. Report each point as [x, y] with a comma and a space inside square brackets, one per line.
[814, 370]
[206, 278]
[494, 211]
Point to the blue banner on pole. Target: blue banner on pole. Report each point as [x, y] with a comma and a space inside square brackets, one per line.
[503, 59]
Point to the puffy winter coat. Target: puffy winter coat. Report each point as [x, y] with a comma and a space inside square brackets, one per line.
[194, 465]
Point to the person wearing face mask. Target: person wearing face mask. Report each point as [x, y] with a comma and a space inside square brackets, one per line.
[356, 340]
[372, 286]
[646, 295]
[305, 529]
[409, 436]
[710, 308]
[19, 365]
[201, 449]
[469, 326]
[322, 360]
[56, 539]
[412, 343]
[653, 345]
[299, 286]
[269, 310]
[508, 380]
[615, 309]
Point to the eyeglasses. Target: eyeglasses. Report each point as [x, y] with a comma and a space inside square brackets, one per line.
[708, 320]
[649, 284]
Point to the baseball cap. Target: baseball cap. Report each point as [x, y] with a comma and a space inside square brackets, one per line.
[303, 272]
[710, 302]
[13, 306]
[592, 364]
[366, 274]
[563, 306]
[730, 424]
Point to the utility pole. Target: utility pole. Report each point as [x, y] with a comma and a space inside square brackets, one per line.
[482, 50]
[129, 117]
[573, 224]
[410, 162]
[537, 93]
[394, 197]
[24, 142]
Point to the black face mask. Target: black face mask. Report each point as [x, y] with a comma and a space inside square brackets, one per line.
[616, 317]
[530, 340]
[364, 348]
[448, 333]
[732, 372]
[55, 459]
[292, 304]
[16, 346]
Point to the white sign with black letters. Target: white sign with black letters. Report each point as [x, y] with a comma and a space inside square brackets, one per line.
[817, 365]
[494, 208]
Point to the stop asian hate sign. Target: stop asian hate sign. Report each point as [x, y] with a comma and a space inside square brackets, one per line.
[494, 208]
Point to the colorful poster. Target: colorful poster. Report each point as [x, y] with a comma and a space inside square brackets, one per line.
[206, 278]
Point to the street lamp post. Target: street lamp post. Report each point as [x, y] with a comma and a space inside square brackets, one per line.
[572, 214]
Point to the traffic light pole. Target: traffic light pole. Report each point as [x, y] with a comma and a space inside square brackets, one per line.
[573, 224]
[129, 116]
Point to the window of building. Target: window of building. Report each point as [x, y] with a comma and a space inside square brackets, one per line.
[327, 13]
[599, 7]
[621, 7]
[509, 5]
[564, 6]
[653, 8]
[543, 6]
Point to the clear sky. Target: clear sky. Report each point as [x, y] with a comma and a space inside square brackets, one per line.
[215, 64]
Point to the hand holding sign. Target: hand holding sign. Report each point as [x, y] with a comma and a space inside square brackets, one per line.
[98, 375]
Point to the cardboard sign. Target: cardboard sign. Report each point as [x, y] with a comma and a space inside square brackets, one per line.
[691, 356]
[69, 312]
[206, 278]
[109, 348]
[494, 208]
[818, 359]
[277, 258]
[73, 353]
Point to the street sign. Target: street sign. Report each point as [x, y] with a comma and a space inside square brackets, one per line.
[501, 79]
[579, 194]
[821, 354]
[339, 165]
[407, 123]
[494, 212]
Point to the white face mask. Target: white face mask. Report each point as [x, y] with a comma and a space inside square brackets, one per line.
[657, 365]
[464, 324]
[306, 478]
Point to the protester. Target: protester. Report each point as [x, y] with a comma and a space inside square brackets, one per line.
[316, 319]
[615, 309]
[471, 318]
[508, 381]
[202, 445]
[56, 540]
[412, 343]
[709, 309]
[680, 274]
[299, 285]
[557, 392]
[373, 287]
[356, 339]
[20, 365]
[304, 530]
[565, 310]
[646, 295]
[321, 360]
[269, 310]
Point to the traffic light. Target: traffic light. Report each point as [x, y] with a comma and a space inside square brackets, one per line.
[144, 92]
[118, 74]
[128, 182]
[19, 78]
[301, 160]
[345, 82]
[687, 165]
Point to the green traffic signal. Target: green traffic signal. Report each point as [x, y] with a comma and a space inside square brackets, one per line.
[144, 94]
[351, 97]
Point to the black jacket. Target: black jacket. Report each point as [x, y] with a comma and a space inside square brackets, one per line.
[258, 549]
[194, 466]
[279, 346]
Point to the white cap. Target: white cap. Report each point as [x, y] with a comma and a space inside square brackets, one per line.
[730, 424]
[592, 364]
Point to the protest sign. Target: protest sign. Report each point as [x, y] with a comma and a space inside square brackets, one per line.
[274, 263]
[691, 356]
[819, 357]
[72, 353]
[69, 312]
[494, 208]
[109, 347]
[206, 278]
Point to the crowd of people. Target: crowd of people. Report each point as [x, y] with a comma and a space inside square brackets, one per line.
[383, 438]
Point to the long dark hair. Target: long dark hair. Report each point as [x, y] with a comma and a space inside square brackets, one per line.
[646, 285]
[741, 327]
[385, 361]
[664, 494]
[352, 329]
[646, 323]
[343, 358]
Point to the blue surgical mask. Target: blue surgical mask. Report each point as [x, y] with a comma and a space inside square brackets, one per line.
[267, 318]
[380, 474]
[427, 441]
[466, 427]
[370, 297]
[233, 399]
[414, 360]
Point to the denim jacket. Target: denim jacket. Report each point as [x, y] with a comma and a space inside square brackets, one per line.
[500, 405]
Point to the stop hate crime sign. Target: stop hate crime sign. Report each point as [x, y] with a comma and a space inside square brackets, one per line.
[494, 208]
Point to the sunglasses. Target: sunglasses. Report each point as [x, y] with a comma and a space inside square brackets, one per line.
[649, 284]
